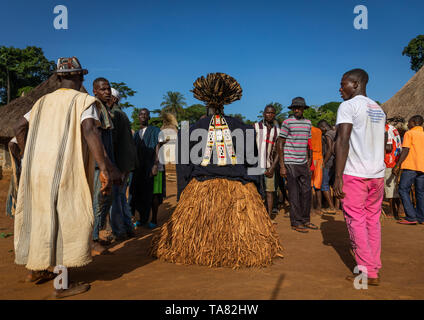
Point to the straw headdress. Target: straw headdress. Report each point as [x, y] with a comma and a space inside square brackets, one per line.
[217, 90]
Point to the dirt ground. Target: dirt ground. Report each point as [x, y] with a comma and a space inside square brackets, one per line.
[314, 267]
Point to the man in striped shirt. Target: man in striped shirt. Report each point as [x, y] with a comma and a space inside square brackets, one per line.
[295, 161]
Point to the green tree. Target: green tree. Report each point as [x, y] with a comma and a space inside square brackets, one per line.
[21, 68]
[173, 103]
[330, 106]
[237, 116]
[415, 50]
[124, 92]
[24, 90]
[193, 113]
[312, 114]
[135, 124]
[326, 112]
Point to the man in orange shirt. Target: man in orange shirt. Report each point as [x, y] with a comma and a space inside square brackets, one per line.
[411, 161]
[317, 158]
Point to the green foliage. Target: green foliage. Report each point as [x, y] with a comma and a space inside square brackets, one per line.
[156, 121]
[173, 103]
[24, 90]
[21, 68]
[237, 116]
[330, 106]
[135, 124]
[415, 50]
[326, 112]
[125, 92]
[5, 235]
[280, 116]
[194, 112]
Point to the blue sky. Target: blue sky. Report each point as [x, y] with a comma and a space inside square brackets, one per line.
[277, 50]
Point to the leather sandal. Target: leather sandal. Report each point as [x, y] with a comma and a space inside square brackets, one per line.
[40, 277]
[311, 226]
[73, 290]
[404, 221]
[329, 211]
[301, 229]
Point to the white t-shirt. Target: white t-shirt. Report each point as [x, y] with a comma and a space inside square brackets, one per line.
[90, 113]
[366, 144]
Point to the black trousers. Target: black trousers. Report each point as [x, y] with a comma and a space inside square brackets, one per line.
[300, 193]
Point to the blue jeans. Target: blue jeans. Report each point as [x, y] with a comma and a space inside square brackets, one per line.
[101, 206]
[325, 186]
[408, 178]
[120, 214]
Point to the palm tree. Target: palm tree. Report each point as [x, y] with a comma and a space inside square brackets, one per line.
[173, 103]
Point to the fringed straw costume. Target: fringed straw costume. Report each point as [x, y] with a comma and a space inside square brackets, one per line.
[220, 219]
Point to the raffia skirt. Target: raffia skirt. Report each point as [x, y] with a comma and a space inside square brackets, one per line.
[218, 223]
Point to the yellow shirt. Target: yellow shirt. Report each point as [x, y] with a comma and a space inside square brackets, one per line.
[414, 140]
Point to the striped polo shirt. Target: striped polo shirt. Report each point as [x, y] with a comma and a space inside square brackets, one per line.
[297, 133]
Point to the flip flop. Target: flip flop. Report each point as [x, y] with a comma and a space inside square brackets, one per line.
[329, 211]
[406, 222]
[300, 229]
[73, 290]
[40, 277]
[311, 226]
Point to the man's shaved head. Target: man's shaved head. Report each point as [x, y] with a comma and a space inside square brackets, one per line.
[145, 110]
[418, 120]
[98, 81]
[357, 75]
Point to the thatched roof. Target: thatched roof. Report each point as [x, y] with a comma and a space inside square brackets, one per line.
[409, 101]
[12, 112]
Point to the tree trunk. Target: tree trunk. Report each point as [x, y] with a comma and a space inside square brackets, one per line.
[8, 85]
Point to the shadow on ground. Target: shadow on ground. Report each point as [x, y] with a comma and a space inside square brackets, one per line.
[130, 255]
[335, 234]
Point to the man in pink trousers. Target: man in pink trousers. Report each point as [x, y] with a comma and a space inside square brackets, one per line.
[360, 170]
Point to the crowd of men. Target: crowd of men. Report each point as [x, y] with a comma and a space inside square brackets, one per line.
[320, 154]
[351, 166]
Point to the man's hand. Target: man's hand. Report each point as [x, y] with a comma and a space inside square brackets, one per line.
[14, 149]
[283, 171]
[396, 170]
[115, 175]
[106, 182]
[154, 170]
[269, 173]
[338, 188]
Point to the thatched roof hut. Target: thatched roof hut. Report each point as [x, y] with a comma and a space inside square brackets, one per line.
[12, 112]
[409, 101]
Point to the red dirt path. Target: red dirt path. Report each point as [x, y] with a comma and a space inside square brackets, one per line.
[314, 267]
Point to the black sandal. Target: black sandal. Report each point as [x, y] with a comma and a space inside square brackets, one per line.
[73, 290]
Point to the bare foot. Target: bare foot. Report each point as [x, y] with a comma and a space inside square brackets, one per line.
[97, 249]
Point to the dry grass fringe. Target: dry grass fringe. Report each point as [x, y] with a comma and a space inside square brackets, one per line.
[218, 223]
